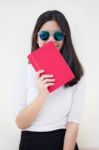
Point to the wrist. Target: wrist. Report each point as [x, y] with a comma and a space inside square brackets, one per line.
[43, 95]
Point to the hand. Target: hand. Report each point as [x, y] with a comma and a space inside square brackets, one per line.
[43, 82]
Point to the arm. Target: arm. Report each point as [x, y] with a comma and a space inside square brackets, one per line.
[28, 114]
[74, 116]
[70, 136]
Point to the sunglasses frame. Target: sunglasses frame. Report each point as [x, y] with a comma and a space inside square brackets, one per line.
[51, 34]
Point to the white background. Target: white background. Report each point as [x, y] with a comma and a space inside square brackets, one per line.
[17, 20]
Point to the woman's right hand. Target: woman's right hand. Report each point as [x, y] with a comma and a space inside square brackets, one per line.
[44, 81]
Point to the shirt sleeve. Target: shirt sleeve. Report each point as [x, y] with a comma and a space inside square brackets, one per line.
[19, 91]
[78, 98]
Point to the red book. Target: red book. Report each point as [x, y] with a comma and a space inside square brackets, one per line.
[50, 59]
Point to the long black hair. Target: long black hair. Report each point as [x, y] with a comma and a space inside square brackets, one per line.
[68, 51]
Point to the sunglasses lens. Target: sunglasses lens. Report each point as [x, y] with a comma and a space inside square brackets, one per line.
[58, 36]
[44, 35]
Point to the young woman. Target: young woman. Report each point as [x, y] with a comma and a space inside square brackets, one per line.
[49, 121]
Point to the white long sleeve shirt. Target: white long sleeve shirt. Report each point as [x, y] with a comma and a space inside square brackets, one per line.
[61, 106]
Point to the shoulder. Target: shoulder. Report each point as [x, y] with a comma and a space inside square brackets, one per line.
[80, 86]
[82, 81]
[26, 69]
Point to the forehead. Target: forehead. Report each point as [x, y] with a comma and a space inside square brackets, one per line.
[50, 26]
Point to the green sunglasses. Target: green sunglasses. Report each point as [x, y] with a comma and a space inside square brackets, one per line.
[58, 35]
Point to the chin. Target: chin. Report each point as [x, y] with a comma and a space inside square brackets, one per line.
[58, 48]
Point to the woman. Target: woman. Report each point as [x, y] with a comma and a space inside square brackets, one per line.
[49, 121]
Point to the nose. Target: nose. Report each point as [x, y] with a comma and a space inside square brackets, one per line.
[51, 38]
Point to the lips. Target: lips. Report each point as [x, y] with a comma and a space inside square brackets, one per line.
[56, 45]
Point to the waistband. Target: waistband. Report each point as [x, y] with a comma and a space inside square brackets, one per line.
[44, 133]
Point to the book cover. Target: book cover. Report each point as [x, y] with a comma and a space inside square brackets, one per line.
[49, 58]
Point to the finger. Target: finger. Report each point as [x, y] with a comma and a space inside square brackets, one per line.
[46, 76]
[38, 73]
[48, 81]
[49, 84]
